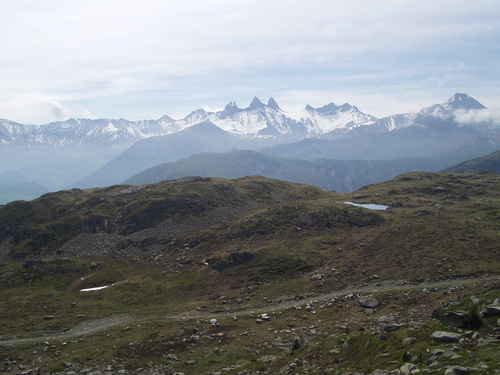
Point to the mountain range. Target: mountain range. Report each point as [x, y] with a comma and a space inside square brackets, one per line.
[336, 175]
[88, 153]
[15, 186]
[256, 120]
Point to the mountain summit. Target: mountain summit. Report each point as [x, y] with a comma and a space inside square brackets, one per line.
[464, 101]
[256, 104]
[257, 120]
[271, 103]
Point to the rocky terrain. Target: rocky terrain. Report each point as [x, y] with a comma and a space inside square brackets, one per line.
[253, 276]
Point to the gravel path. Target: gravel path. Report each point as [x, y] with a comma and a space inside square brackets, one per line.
[94, 326]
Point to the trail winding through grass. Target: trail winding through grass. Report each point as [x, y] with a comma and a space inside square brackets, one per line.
[98, 325]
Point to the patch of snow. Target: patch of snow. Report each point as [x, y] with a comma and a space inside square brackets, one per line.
[94, 289]
[370, 206]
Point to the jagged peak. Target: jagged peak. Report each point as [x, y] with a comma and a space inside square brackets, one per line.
[231, 105]
[230, 109]
[273, 104]
[256, 103]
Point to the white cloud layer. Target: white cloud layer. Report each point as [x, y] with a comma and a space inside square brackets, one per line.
[87, 53]
[486, 116]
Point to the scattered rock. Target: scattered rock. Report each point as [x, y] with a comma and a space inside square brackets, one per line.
[442, 336]
[317, 277]
[391, 327]
[368, 302]
[268, 358]
[475, 300]
[214, 322]
[408, 369]
[459, 319]
[409, 341]
[492, 310]
[172, 357]
[265, 317]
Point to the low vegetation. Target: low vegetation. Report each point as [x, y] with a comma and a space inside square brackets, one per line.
[263, 258]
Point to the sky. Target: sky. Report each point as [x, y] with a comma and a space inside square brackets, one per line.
[141, 60]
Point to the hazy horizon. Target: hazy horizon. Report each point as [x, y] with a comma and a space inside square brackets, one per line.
[121, 59]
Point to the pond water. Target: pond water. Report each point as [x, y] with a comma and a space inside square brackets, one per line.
[370, 206]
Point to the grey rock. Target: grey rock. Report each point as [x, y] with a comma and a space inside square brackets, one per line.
[457, 319]
[407, 369]
[368, 302]
[214, 322]
[475, 300]
[391, 327]
[442, 336]
[172, 357]
[409, 341]
[268, 358]
[265, 317]
[492, 310]
[317, 277]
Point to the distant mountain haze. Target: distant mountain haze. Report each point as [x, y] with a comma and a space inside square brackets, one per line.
[102, 152]
[486, 164]
[337, 175]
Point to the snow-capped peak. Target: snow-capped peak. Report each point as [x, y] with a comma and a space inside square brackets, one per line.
[332, 117]
[230, 109]
[271, 103]
[458, 102]
[256, 104]
[256, 120]
[464, 101]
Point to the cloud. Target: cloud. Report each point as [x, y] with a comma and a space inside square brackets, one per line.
[35, 109]
[92, 51]
[485, 117]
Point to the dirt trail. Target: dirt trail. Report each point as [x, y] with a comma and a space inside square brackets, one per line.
[84, 328]
[385, 286]
[94, 326]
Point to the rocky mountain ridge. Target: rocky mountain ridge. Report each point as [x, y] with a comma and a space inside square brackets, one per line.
[257, 120]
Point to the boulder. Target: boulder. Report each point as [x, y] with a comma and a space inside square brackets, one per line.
[409, 341]
[214, 322]
[442, 336]
[459, 319]
[492, 310]
[407, 369]
[368, 302]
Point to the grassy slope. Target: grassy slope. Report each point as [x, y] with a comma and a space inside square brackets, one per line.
[440, 226]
